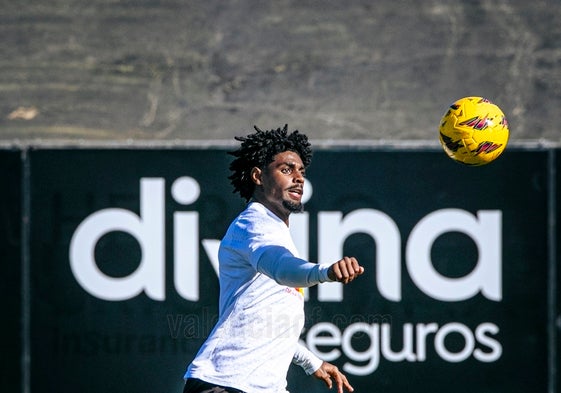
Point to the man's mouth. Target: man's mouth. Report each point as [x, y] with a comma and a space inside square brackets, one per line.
[296, 192]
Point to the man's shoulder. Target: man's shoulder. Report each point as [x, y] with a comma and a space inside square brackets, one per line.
[253, 211]
[254, 218]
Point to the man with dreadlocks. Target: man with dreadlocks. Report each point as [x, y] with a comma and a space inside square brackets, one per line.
[261, 309]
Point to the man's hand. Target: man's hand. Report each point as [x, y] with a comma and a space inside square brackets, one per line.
[327, 372]
[345, 270]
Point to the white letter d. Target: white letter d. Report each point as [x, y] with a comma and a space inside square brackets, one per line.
[149, 231]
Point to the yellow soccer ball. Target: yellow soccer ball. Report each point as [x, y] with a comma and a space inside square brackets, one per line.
[474, 131]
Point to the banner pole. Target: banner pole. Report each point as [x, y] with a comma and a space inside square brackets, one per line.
[25, 274]
[552, 274]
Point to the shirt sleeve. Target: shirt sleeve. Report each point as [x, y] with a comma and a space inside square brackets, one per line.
[270, 250]
[282, 266]
[304, 358]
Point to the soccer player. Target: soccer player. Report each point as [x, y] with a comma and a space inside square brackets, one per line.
[261, 305]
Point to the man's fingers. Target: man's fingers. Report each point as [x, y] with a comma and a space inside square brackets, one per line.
[327, 371]
[347, 386]
[345, 270]
[326, 378]
[355, 265]
[328, 381]
[341, 381]
[351, 269]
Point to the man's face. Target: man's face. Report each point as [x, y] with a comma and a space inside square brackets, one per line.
[280, 185]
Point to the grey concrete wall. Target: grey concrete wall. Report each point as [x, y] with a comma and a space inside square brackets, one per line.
[196, 70]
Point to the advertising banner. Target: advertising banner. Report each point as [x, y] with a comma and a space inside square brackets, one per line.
[556, 264]
[10, 279]
[454, 298]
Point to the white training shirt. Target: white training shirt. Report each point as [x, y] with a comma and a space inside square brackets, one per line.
[261, 311]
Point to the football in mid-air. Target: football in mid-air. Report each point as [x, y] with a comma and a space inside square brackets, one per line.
[474, 131]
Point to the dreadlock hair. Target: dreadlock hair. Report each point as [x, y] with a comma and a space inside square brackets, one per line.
[259, 149]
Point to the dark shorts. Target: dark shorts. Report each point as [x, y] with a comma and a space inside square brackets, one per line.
[193, 385]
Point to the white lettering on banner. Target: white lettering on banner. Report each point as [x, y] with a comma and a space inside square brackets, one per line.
[485, 230]
[148, 228]
[330, 343]
[334, 230]
[149, 231]
[186, 190]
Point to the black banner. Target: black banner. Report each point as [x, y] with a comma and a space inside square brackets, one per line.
[455, 295]
[10, 279]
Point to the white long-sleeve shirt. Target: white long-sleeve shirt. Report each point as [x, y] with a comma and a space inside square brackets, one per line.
[261, 311]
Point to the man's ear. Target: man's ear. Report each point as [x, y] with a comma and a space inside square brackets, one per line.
[256, 174]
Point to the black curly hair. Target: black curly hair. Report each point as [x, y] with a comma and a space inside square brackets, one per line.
[259, 150]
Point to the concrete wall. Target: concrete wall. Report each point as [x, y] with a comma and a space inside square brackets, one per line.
[360, 69]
